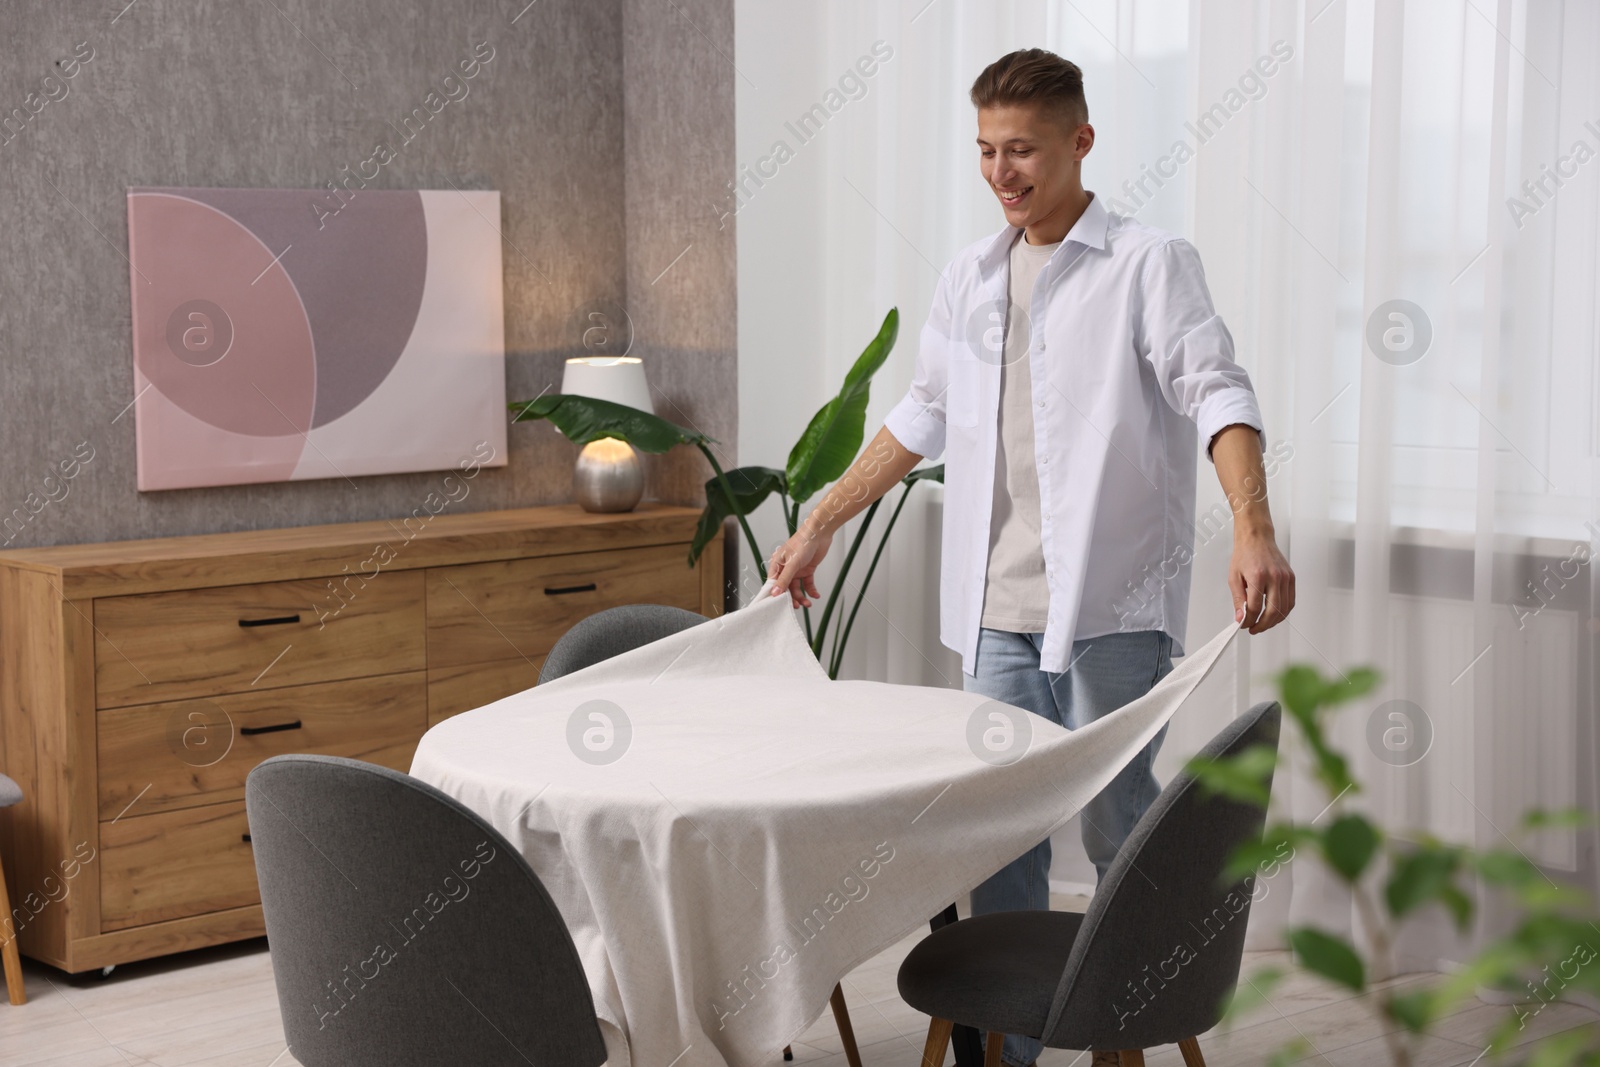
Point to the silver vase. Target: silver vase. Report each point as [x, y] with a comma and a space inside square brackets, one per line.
[608, 476]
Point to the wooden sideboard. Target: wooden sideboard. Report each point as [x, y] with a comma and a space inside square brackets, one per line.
[141, 681]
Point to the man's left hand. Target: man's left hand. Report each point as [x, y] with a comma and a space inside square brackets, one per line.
[1261, 582]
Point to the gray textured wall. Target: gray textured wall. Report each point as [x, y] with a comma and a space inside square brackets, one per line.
[601, 123]
[681, 273]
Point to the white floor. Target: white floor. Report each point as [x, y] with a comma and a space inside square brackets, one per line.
[218, 1008]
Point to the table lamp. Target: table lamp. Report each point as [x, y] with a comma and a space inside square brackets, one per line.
[608, 475]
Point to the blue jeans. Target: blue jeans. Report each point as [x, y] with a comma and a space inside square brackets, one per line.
[1103, 674]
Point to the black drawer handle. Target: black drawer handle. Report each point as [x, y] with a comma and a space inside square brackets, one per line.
[278, 620]
[245, 838]
[250, 731]
[558, 590]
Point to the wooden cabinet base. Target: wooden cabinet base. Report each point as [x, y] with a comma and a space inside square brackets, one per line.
[162, 939]
[141, 681]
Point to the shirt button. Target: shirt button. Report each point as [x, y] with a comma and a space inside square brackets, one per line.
[1044, 459]
[1041, 346]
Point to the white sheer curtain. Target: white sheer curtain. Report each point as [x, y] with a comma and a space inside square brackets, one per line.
[1436, 462]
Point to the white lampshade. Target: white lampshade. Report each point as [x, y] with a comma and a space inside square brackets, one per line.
[619, 379]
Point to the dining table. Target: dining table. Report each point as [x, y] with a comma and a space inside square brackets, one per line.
[728, 832]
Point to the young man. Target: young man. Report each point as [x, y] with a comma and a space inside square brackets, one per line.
[1065, 366]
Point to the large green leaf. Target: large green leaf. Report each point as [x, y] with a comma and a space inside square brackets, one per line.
[831, 441]
[1357, 682]
[1242, 777]
[1507, 867]
[1305, 694]
[583, 419]
[1279, 844]
[1562, 819]
[1497, 967]
[1328, 956]
[1549, 896]
[1459, 905]
[1301, 689]
[1414, 1010]
[1251, 993]
[1348, 845]
[1304, 689]
[1564, 1049]
[1420, 876]
[751, 486]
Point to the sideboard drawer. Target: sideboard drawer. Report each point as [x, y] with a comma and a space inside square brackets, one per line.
[228, 639]
[159, 757]
[176, 864]
[482, 612]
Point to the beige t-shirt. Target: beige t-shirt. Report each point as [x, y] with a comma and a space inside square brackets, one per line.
[1015, 595]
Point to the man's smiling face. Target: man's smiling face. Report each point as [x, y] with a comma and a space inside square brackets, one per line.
[1030, 159]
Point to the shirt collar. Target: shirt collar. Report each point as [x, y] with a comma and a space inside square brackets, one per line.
[1089, 231]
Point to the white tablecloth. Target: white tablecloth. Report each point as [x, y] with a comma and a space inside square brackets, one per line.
[764, 829]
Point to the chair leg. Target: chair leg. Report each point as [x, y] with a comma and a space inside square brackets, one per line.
[992, 1048]
[1191, 1053]
[13, 960]
[847, 1033]
[1132, 1057]
[938, 1042]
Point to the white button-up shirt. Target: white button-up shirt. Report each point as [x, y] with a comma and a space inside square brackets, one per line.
[1128, 359]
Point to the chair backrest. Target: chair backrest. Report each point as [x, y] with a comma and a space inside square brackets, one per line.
[612, 632]
[405, 930]
[1161, 942]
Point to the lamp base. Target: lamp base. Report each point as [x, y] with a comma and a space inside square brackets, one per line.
[608, 476]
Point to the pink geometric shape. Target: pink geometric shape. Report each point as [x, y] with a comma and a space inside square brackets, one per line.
[178, 451]
[360, 276]
[221, 332]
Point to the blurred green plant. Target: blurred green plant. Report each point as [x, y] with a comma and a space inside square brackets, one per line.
[825, 451]
[1550, 952]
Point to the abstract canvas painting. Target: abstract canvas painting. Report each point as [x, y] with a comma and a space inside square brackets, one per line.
[276, 339]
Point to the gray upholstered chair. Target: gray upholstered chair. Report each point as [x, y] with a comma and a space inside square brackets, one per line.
[1148, 964]
[622, 629]
[405, 931]
[612, 632]
[10, 958]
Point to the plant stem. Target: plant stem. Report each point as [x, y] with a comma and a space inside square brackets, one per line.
[833, 671]
[1383, 953]
[733, 505]
[836, 646]
[838, 584]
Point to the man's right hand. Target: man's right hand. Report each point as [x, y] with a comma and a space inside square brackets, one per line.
[878, 469]
[793, 566]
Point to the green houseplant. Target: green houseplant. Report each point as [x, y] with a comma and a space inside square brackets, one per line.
[823, 453]
[1550, 951]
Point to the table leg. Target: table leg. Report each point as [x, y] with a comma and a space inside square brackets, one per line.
[967, 1042]
[847, 1033]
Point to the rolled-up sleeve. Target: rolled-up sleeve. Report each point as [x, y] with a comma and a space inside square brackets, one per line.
[1180, 334]
[918, 420]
